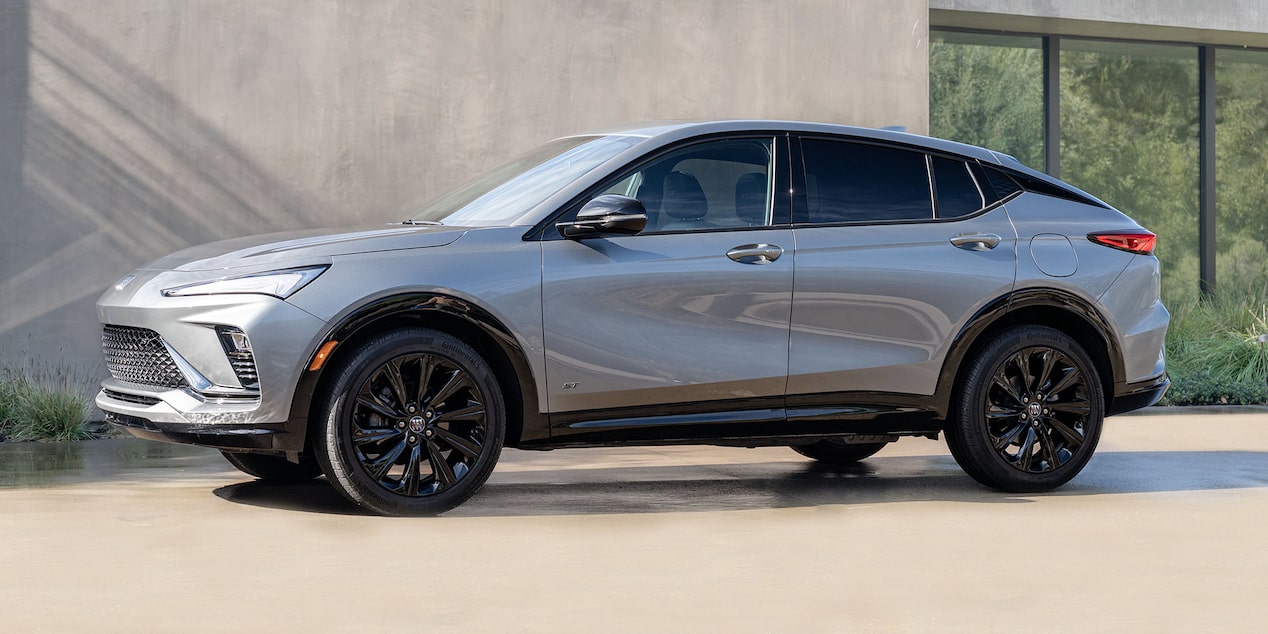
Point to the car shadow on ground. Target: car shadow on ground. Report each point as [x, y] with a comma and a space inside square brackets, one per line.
[771, 485]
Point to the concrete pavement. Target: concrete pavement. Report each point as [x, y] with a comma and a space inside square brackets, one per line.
[1162, 532]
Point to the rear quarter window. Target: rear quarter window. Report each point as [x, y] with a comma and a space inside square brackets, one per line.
[956, 193]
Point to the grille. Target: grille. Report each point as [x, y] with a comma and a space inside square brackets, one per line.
[137, 355]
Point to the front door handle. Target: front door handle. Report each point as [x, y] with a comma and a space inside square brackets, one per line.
[975, 241]
[755, 253]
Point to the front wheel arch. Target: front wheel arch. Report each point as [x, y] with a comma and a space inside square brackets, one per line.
[446, 313]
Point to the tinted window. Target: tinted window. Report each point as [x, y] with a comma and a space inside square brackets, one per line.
[996, 184]
[855, 182]
[710, 185]
[955, 192]
[1031, 184]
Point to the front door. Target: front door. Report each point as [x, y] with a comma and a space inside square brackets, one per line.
[694, 310]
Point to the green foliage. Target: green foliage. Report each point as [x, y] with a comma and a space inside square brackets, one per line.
[1204, 388]
[1241, 108]
[1129, 135]
[989, 96]
[44, 403]
[1213, 355]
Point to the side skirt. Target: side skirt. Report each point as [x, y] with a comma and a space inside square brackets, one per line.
[748, 422]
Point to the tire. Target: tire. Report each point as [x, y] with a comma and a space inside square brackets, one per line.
[1029, 411]
[411, 424]
[273, 468]
[836, 452]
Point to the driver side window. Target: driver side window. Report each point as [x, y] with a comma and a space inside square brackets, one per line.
[706, 186]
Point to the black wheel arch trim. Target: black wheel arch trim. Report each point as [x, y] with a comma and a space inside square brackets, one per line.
[1004, 310]
[530, 424]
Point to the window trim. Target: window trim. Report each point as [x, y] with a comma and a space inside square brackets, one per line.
[800, 206]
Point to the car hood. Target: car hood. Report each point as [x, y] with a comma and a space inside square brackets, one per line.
[293, 247]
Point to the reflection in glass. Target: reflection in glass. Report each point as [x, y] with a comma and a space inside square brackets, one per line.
[1129, 135]
[1241, 134]
[987, 90]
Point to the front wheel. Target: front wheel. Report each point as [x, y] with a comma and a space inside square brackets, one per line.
[1029, 412]
[413, 423]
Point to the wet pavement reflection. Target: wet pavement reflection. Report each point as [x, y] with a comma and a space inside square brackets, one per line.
[638, 480]
[46, 464]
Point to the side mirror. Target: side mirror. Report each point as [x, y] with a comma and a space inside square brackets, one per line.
[606, 214]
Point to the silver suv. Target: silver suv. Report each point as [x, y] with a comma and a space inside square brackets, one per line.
[736, 283]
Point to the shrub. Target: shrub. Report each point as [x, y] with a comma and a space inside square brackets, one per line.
[44, 403]
[1213, 355]
[1205, 388]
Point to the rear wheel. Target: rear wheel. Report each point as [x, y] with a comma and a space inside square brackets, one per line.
[413, 423]
[1029, 412]
[833, 451]
[274, 468]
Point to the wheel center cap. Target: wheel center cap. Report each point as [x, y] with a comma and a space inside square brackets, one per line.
[1034, 409]
[416, 424]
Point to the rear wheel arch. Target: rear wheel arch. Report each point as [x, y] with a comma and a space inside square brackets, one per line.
[1060, 310]
[455, 316]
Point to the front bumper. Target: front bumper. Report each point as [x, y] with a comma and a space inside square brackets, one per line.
[181, 416]
[227, 416]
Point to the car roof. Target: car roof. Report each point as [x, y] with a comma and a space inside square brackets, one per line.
[667, 131]
[656, 135]
[663, 132]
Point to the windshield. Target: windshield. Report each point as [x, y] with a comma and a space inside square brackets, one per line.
[506, 193]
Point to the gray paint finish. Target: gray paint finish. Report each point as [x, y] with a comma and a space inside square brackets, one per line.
[878, 306]
[129, 130]
[642, 320]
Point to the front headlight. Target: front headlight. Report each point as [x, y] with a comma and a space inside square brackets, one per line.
[281, 284]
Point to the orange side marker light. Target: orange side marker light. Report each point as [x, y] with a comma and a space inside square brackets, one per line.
[323, 353]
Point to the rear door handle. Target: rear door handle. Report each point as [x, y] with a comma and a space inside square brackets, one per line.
[755, 253]
[975, 241]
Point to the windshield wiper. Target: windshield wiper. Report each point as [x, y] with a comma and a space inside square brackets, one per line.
[411, 221]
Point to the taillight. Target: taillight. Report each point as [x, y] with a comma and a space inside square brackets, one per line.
[1138, 242]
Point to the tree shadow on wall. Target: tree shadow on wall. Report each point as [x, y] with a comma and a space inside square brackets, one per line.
[103, 170]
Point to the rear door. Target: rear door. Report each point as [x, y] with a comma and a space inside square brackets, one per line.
[896, 250]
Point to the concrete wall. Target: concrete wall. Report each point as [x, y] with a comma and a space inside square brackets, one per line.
[132, 128]
[1222, 22]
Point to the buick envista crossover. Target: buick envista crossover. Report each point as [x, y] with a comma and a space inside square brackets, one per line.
[743, 283]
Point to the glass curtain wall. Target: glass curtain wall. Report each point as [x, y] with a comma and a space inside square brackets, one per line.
[1241, 166]
[987, 90]
[1129, 135]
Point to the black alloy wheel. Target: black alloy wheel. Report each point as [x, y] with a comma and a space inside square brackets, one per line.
[415, 424]
[1030, 411]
